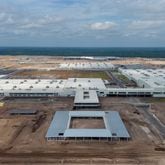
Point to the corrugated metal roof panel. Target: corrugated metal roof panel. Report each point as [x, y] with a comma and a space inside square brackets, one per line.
[59, 126]
[116, 125]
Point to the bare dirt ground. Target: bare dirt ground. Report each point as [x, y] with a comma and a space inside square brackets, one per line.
[20, 143]
[52, 63]
[157, 107]
[147, 62]
[90, 123]
[160, 113]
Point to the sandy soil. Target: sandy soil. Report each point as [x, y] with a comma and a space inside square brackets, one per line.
[143, 61]
[52, 63]
[25, 146]
[89, 123]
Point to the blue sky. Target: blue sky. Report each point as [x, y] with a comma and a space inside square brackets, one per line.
[93, 23]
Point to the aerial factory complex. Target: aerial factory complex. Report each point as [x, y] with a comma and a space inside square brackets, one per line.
[82, 106]
[150, 82]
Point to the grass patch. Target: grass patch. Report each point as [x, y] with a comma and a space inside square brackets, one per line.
[121, 77]
[62, 74]
[89, 74]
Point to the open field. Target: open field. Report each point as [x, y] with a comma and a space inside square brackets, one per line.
[121, 77]
[61, 74]
[23, 144]
[52, 63]
[157, 107]
[154, 100]
[9, 129]
[143, 61]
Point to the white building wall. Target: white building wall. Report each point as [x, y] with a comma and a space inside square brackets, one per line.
[69, 91]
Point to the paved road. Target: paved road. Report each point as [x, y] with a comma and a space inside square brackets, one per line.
[153, 120]
[13, 73]
[118, 82]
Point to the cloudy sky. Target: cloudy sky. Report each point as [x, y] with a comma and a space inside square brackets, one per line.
[92, 23]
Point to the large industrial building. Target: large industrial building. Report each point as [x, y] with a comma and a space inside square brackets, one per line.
[148, 79]
[61, 126]
[150, 83]
[86, 66]
[49, 88]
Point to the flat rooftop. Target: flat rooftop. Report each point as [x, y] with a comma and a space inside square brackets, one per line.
[50, 85]
[155, 78]
[85, 83]
[86, 65]
[60, 125]
[86, 96]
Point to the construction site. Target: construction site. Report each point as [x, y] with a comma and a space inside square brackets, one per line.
[25, 120]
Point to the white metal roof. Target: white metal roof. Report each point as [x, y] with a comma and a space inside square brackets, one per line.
[86, 96]
[86, 65]
[50, 84]
[155, 78]
[2, 76]
[85, 83]
[31, 85]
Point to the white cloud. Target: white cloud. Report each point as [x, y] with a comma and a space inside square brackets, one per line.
[30, 25]
[2, 16]
[102, 25]
[146, 24]
[6, 19]
[82, 19]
